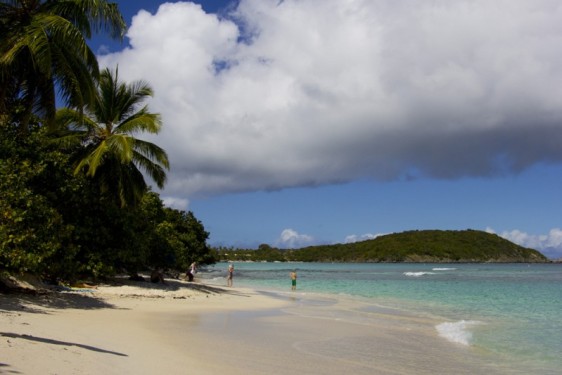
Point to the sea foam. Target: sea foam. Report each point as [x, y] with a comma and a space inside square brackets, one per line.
[443, 269]
[457, 332]
[418, 274]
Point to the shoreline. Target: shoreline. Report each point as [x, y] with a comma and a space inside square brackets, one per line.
[198, 328]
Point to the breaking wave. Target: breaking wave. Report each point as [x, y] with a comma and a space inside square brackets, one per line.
[418, 274]
[457, 332]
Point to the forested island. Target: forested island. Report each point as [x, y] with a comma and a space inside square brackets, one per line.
[432, 246]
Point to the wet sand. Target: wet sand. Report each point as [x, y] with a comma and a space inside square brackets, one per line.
[198, 329]
[332, 337]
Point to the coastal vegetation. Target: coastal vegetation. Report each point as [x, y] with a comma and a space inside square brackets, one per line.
[104, 138]
[437, 246]
[74, 203]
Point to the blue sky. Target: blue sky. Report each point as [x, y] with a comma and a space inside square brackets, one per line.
[295, 123]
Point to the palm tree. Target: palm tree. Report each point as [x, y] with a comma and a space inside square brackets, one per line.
[43, 48]
[109, 152]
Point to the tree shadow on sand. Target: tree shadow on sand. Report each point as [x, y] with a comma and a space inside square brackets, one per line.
[5, 369]
[53, 300]
[174, 285]
[86, 299]
[58, 342]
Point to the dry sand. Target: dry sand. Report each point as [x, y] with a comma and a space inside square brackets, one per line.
[108, 330]
[192, 328]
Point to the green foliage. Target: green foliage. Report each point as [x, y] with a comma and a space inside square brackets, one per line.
[43, 48]
[264, 253]
[27, 223]
[412, 246]
[56, 221]
[171, 238]
[108, 150]
[61, 226]
[31, 229]
[186, 238]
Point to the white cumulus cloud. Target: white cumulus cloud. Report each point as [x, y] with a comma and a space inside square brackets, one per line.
[177, 203]
[363, 237]
[290, 239]
[292, 93]
[549, 244]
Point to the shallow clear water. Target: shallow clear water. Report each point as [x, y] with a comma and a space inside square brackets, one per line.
[513, 311]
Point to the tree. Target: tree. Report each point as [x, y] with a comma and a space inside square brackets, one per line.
[57, 225]
[187, 238]
[43, 47]
[32, 231]
[110, 152]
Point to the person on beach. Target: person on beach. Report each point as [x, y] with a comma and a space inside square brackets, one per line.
[294, 280]
[192, 271]
[157, 276]
[230, 275]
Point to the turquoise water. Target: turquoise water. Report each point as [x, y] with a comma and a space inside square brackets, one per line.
[512, 311]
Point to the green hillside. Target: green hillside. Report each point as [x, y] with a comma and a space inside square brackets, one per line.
[413, 246]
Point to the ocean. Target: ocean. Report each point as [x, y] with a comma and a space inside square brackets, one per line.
[509, 312]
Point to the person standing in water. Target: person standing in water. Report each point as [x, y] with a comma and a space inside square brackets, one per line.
[230, 275]
[294, 280]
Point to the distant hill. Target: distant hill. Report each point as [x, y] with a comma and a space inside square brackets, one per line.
[432, 246]
[425, 246]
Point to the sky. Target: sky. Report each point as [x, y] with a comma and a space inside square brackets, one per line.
[302, 122]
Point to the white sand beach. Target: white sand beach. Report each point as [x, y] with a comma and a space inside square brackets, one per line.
[193, 328]
[109, 329]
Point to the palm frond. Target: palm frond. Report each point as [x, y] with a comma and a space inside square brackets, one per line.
[93, 160]
[45, 40]
[111, 153]
[153, 152]
[141, 122]
[121, 146]
[154, 170]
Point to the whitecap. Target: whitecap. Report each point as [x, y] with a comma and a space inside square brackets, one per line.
[443, 269]
[418, 274]
[457, 332]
